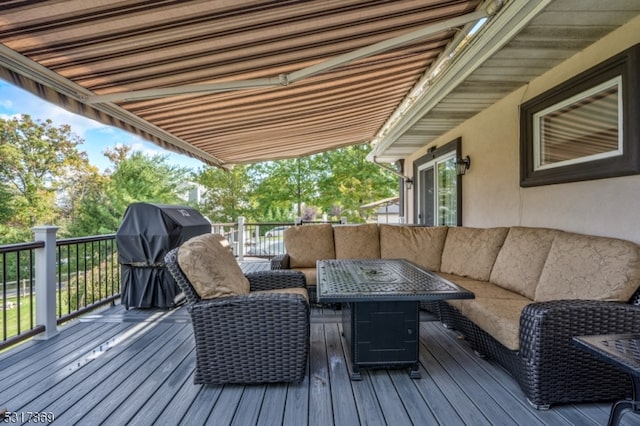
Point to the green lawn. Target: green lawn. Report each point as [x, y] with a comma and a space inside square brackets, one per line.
[11, 315]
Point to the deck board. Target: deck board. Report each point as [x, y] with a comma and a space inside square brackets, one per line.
[343, 402]
[481, 382]
[320, 408]
[271, 412]
[367, 403]
[134, 366]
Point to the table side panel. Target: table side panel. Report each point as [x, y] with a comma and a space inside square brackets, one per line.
[621, 350]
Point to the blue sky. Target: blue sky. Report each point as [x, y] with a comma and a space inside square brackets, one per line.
[97, 136]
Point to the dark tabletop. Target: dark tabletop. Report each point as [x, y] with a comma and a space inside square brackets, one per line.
[621, 350]
[358, 280]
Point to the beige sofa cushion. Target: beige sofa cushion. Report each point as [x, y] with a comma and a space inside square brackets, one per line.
[519, 263]
[589, 267]
[499, 318]
[471, 252]
[211, 267]
[309, 243]
[421, 245]
[482, 288]
[357, 241]
[495, 309]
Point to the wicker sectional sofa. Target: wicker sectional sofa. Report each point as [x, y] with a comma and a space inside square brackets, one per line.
[535, 288]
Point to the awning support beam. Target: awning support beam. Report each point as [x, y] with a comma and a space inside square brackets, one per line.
[386, 45]
[188, 90]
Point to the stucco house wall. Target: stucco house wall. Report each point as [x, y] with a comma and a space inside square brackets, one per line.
[492, 195]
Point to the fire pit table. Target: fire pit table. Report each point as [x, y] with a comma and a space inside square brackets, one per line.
[380, 308]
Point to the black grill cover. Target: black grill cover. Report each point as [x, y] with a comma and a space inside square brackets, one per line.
[147, 232]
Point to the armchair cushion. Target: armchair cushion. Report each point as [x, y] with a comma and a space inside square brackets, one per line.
[301, 291]
[310, 275]
[211, 267]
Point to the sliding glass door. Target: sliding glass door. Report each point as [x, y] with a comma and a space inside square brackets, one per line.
[437, 189]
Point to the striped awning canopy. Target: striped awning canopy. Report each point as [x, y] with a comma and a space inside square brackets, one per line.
[230, 82]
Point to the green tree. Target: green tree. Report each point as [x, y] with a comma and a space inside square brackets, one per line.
[334, 183]
[93, 213]
[228, 194]
[6, 205]
[36, 162]
[352, 181]
[136, 177]
[139, 177]
[288, 185]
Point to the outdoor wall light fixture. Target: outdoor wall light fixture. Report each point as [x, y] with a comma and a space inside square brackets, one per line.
[408, 183]
[462, 165]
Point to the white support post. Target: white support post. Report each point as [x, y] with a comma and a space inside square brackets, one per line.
[241, 238]
[45, 275]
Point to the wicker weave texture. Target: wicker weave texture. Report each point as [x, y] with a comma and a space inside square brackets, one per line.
[252, 338]
[280, 261]
[548, 367]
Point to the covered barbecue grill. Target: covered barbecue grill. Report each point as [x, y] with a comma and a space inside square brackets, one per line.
[147, 232]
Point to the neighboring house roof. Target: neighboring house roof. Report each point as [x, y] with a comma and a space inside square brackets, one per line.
[381, 203]
[389, 209]
[243, 82]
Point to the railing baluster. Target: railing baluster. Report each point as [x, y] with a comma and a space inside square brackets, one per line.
[59, 281]
[99, 270]
[84, 273]
[31, 282]
[18, 312]
[4, 296]
[68, 282]
[93, 288]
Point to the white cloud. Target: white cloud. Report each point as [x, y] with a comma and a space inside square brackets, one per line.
[39, 109]
[9, 116]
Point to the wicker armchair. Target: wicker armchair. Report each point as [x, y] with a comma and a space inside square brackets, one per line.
[258, 337]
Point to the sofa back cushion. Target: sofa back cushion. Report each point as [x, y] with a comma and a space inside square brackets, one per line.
[471, 252]
[357, 241]
[421, 245]
[211, 268]
[589, 268]
[309, 243]
[519, 263]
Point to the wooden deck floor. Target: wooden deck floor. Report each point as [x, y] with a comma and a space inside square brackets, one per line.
[136, 367]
